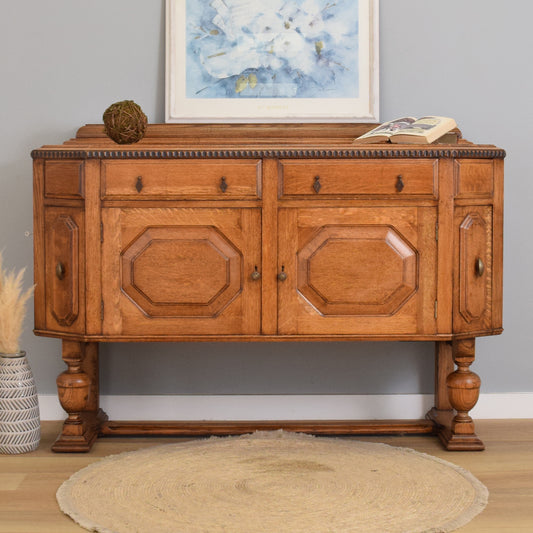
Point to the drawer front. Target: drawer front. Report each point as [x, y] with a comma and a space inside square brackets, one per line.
[63, 179]
[169, 180]
[359, 178]
[474, 178]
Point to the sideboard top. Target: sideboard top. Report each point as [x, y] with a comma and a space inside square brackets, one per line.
[176, 141]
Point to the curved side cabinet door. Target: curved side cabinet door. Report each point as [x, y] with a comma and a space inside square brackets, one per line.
[473, 269]
[64, 269]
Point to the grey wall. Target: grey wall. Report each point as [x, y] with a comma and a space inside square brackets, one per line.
[63, 62]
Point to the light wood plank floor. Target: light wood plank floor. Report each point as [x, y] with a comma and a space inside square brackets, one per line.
[28, 482]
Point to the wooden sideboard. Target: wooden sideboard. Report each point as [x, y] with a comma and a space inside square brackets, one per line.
[287, 232]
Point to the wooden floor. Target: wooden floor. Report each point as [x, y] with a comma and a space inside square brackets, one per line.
[28, 482]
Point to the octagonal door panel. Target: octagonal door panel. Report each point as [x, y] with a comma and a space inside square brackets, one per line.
[360, 271]
[181, 271]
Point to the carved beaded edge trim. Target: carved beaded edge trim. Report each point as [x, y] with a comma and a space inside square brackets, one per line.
[488, 153]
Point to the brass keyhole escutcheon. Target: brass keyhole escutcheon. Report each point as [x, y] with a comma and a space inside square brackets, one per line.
[256, 275]
[139, 185]
[223, 184]
[399, 183]
[316, 185]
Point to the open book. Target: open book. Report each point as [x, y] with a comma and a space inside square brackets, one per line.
[409, 130]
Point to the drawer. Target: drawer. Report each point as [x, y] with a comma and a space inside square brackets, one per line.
[205, 179]
[474, 178]
[358, 178]
[63, 179]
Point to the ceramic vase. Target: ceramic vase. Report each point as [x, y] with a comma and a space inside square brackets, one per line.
[20, 428]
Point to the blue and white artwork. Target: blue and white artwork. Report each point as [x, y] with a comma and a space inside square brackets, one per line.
[272, 49]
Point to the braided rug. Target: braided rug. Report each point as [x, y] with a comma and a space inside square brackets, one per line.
[272, 482]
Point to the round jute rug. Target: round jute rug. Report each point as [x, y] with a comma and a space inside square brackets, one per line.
[272, 482]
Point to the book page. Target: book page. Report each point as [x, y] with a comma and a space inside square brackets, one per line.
[424, 125]
[390, 128]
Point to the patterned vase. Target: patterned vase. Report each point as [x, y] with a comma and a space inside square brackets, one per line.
[20, 428]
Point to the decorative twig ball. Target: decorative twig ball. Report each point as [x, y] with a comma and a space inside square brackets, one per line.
[125, 122]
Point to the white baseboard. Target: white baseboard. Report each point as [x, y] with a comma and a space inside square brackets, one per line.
[290, 407]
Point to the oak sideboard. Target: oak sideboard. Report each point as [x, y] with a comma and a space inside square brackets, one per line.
[267, 232]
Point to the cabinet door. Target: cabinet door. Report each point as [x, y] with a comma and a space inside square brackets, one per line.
[64, 269]
[357, 271]
[181, 271]
[473, 269]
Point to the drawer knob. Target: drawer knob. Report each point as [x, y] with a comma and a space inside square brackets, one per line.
[139, 185]
[316, 185]
[480, 267]
[282, 276]
[60, 270]
[256, 275]
[223, 184]
[399, 183]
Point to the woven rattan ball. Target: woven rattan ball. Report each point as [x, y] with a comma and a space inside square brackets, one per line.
[125, 122]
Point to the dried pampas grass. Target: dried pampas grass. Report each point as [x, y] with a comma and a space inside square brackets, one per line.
[12, 308]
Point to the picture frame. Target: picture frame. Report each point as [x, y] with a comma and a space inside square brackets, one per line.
[272, 61]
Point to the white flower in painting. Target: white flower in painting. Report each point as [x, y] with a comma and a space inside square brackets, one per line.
[230, 60]
[309, 18]
[264, 26]
[294, 49]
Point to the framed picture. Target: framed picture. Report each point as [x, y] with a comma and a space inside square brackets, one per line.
[272, 61]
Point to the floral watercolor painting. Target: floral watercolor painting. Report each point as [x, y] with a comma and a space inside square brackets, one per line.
[272, 49]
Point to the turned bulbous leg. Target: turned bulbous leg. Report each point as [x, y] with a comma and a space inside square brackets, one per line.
[463, 387]
[78, 394]
[73, 388]
[457, 431]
